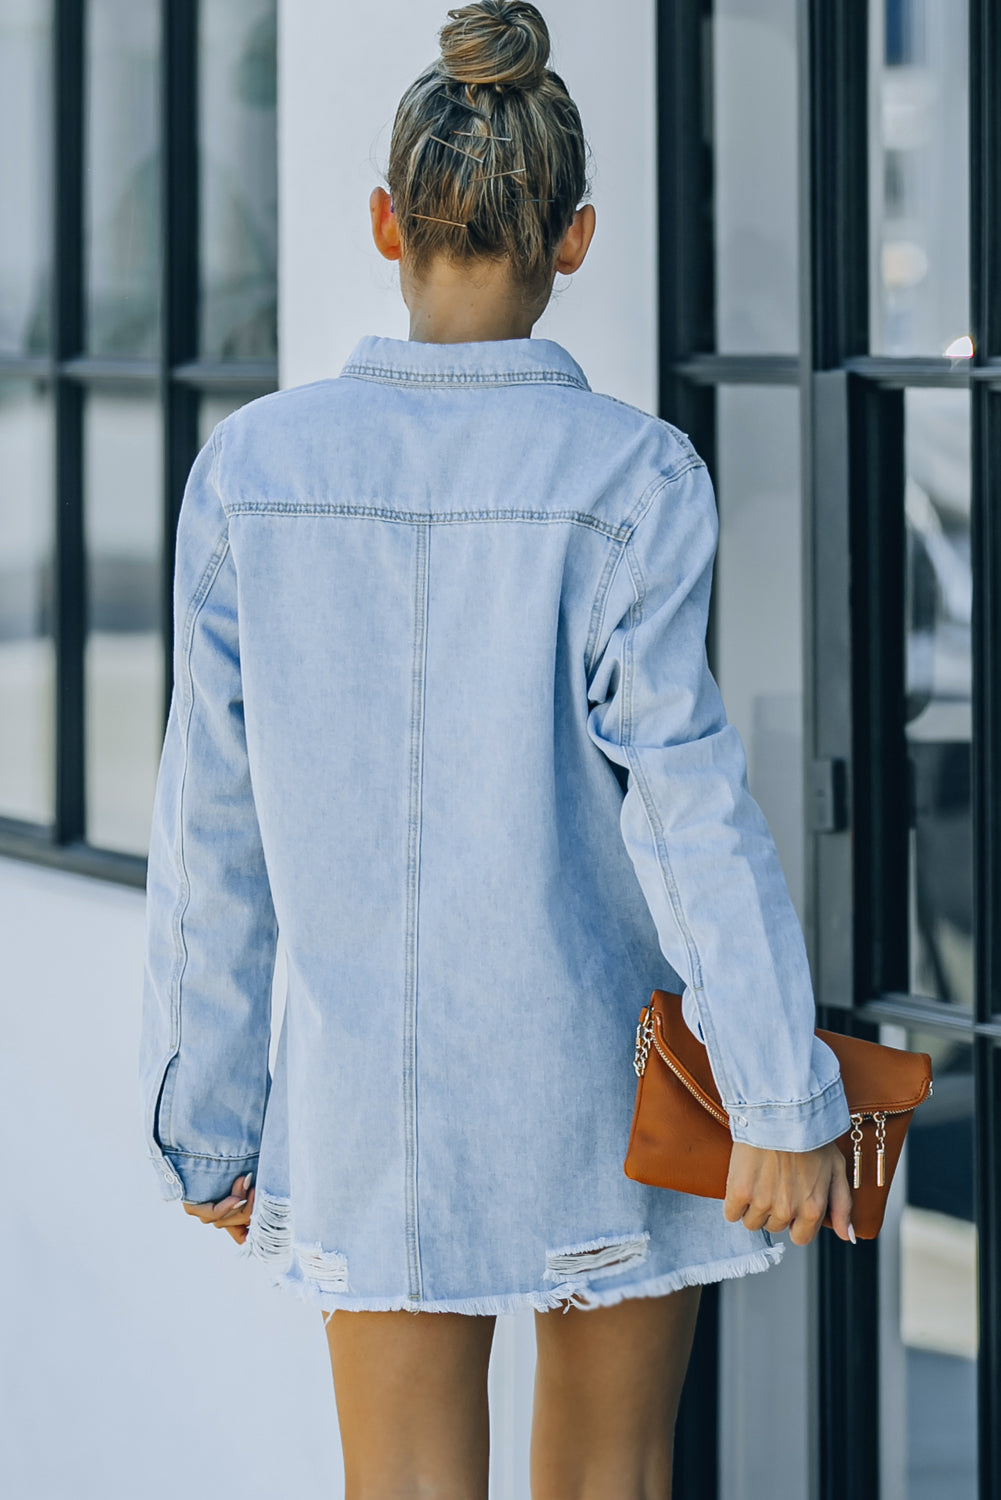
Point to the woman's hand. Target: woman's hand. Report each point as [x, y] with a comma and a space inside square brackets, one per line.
[232, 1213]
[792, 1190]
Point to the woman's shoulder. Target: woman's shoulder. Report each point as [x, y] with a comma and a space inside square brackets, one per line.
[673, 446]
[287, 407]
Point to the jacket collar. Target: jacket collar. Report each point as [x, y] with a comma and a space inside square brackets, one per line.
[487, 362]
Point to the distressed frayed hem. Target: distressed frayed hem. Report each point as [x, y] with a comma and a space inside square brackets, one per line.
[566, 1295]
[270, 1235]
[581, 1264]
[673, 1281]
[270, 1240]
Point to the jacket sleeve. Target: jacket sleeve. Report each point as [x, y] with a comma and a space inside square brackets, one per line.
[210, 924]
[698, 841]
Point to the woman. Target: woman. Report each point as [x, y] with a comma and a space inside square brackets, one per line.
[442, 715]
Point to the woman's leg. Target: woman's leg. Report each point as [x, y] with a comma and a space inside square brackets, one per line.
[607, 1386]
[411, 1391]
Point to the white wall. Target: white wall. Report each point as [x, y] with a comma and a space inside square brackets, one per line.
[141, 1354]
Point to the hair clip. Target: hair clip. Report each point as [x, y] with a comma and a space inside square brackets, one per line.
[454, 222]
[486, 176]
[480, 137]
[453, 147]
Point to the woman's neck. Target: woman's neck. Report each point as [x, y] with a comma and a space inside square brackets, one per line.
[463, 303]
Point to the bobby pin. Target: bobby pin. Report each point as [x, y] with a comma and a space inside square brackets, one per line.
[453, 147]
[454, 222]
[480, 137]
[486, 176]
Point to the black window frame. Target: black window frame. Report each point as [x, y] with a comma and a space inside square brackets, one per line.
[852, 412]
[179, 379]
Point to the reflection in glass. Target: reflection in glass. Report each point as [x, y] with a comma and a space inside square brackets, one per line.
[928, 1276]
[939, 593]
[25, 178]
[758, 611]
[238, 215]
[758, 660]
[919, 170]
[27, 657]
[124, 656]
[122, 191]
[755, 173]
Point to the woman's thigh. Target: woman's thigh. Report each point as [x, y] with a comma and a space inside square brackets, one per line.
[411, 1392]
[607, 1386]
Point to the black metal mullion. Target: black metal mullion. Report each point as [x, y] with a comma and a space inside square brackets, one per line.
[70, 609]
[834, 289]
[179, 228]
[686, 313]
[912, 370]
[987, 1178]
[882, 792]
[986, 818]
[739, 369]
[696, 1449]
[837, 59]
[238, 377]
[985, 189]
[29, 841]
[686, 279]
[985, 324]
[919, 1012]
[834, 274]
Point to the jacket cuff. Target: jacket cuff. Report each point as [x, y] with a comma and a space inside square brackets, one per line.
[200, 1179]
[800, 1126]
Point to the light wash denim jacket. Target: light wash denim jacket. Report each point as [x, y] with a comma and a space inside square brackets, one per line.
[442, 716]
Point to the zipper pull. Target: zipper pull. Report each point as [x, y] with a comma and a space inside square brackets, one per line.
[644, 1039]
[856, 1151]
[880, 1119]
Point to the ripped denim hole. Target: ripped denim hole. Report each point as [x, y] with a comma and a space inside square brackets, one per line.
[270, 1235]
[325, 1269]
[584, 1263]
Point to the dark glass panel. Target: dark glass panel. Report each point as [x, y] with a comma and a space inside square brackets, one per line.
[755, 176]
[122, 178]
[238, 183]
[758, 609]
[27, 657]
[25, 175]
[124, 656]
[919, 176]
[938, 603]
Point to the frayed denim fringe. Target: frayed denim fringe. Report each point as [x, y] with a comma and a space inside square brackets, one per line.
[268, 1243]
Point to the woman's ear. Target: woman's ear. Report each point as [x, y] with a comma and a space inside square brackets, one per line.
[573, 246]
[385, 230]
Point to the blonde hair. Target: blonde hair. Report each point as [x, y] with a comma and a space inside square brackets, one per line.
[488, 156]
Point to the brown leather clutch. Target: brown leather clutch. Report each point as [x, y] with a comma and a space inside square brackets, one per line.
[680, 1136]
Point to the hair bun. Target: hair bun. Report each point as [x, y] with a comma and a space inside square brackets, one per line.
[500, 42]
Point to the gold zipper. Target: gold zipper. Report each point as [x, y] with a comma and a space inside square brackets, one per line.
[646, 1036]
[719, 1114]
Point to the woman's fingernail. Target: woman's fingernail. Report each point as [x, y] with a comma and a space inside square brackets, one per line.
[237, 1205]
[247, 1181]
[851, 1233]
